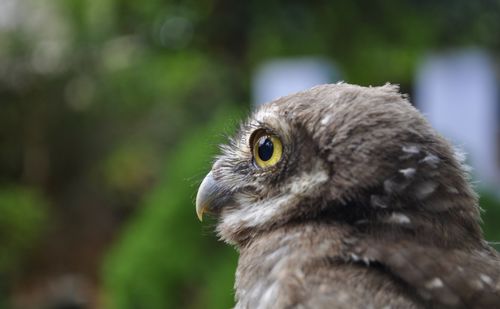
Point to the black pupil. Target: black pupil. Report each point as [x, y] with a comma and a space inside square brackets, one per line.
[266, 148]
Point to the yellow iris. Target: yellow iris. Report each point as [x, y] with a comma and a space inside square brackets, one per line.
[267, 150]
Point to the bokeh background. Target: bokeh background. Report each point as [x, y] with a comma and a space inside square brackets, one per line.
[111, 110]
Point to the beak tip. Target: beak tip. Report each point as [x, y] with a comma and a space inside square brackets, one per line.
[203, 197]
[199, 213]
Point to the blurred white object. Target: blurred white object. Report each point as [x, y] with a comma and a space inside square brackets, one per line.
[458, 92]
[280, 77]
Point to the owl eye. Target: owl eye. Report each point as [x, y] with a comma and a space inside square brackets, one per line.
[267, 150]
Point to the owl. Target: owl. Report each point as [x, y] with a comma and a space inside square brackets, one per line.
[343, 196]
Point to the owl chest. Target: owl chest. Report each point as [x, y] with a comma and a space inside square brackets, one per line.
[304, 270]
[270, 281]
[279, 271]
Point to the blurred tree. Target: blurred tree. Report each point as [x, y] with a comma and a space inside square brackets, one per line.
[164, 259]
[22, 218]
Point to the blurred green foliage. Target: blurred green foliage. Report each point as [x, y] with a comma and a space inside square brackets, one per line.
[112, 110]
[490, 203]
[22, 218]
[165, 259]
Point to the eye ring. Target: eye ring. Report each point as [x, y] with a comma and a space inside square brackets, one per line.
[267, 149]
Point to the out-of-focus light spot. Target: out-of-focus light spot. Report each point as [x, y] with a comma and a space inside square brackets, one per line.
[458, 92]
[119, 53]
[9, 14]
[42, 21]
[280, 77]
[48, 56]
[175, 32]
[79, 93]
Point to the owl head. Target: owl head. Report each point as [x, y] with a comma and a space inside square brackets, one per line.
[342, 153]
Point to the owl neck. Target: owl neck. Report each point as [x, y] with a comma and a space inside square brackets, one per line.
[273, 259]
[414, 220]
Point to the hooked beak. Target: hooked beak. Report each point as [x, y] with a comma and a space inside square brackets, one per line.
[210, 196]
